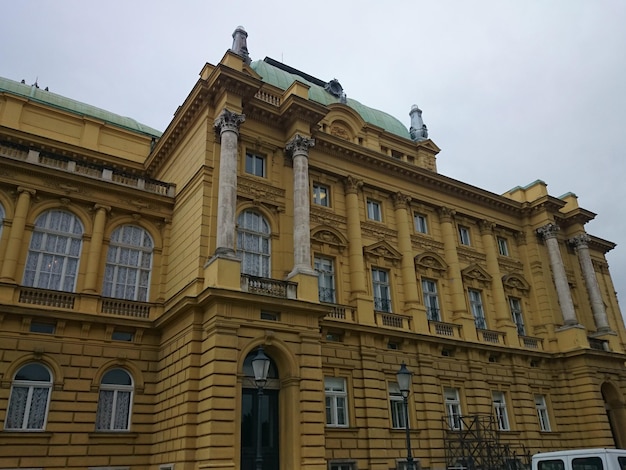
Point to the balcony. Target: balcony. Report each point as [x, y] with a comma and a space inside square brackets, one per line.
[393, 320]
[451, 330]
[342, 312]
[491, 336]
[83, 303]
[89, 170]
[270, 287]
[529, 342]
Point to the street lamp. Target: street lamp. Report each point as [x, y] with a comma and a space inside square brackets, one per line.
[261, 366]
[404, 383]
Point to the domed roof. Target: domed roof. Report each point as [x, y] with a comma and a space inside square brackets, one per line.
[283, 79]
[36, 94]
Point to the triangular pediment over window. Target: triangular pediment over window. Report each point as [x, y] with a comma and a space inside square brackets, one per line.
[382, 249]
[476, 272]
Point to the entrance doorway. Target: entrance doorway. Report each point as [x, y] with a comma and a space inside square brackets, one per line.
[270, 437]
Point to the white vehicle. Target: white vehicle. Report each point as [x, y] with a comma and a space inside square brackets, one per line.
[581, 459]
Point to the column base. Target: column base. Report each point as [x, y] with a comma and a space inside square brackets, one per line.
[571, 337]
[307, 280]
[223, 270]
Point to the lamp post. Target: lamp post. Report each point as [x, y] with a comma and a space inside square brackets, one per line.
[261, 366]
[404, 383]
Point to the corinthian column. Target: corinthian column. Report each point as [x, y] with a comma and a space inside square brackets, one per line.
[493, 268]
[16, 235]
[93, 259]
[355, 244]
[400, 203]
[548, 232]
[298, 147]
[227, 124]
[452, 258]
[581, 245]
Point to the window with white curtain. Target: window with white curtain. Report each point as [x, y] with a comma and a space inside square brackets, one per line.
[382, 290]
[336, 401]
[476, 304]
[54, 251]
[30, 398]
[129, 264]
[253, 243]
[115, 401]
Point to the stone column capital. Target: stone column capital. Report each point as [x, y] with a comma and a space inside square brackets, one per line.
[299, 145]
[228, 121]
[486, 226]
[400, 200]
[29, 191]
[579, 241]
[352, 185]
[548, 231]
[98, 207]
[446, 214]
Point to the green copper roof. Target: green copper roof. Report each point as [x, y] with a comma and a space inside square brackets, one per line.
[283, 79]
[33, 93]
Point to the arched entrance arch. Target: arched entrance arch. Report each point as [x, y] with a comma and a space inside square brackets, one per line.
[616, 413]
[269, 414]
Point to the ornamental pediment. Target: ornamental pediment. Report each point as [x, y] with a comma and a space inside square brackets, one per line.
[382, 249]
[476, 272]
[329, 236]
[515, 281]
[431, 260]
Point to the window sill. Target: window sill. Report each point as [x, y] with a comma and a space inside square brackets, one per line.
[18, 437]
[112, 436]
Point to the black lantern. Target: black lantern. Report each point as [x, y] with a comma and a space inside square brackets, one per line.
[261, 367]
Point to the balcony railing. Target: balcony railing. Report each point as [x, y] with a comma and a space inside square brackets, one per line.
[342, 312]
[445, 329]
[86, 169]
[599, 344]
[531, 343]
[491, 336]
[382, 305]
[271, 287]
[392, 320]
[47, 298]
[84, 303]
[327, 295]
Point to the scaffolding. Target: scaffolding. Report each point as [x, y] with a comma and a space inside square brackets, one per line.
[473, 443]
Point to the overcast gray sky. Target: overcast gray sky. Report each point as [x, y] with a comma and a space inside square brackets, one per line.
[512, 91]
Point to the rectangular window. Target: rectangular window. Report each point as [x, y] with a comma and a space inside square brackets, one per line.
[325, 268]
[431, 299]
[503, 247]
[396, 402]
[373, 211]
[382, 292]
[542, 413]
[270, 316]
[499, 408]
[255, 164]
[453, 408]
[336, 402]
[118, 335]
[476, 304]
[337, 465]
[321, 195]
[464, 235]
[516, 313]
[42, 327]
[420, 223]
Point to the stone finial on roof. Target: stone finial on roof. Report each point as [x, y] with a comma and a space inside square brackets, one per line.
[240, 46]
[418, 129]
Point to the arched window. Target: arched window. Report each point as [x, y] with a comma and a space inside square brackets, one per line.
[115, 401]
[30, 397]
[54, 251]
[253, 243]
[129, 263]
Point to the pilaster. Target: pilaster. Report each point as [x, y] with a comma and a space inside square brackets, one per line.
[95, 248]
[16, 236]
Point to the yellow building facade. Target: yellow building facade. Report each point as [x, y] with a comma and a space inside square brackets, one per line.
[141, 271]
